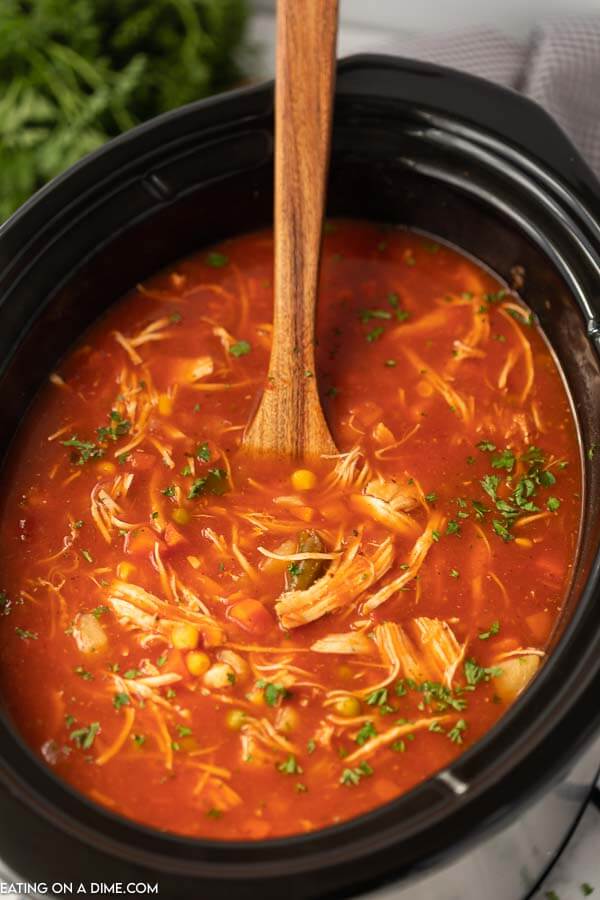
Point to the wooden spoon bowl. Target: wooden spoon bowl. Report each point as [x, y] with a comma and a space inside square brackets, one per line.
[289, 420]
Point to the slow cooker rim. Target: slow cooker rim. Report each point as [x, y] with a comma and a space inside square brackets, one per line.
[57, 185]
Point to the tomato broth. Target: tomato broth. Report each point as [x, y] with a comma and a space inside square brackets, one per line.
[238, 649]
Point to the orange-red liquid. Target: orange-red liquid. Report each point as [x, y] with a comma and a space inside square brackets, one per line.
[402, 321]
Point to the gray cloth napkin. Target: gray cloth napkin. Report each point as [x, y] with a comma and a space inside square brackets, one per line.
[559, 68]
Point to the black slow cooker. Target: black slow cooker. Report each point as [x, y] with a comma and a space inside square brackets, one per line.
[413, 144]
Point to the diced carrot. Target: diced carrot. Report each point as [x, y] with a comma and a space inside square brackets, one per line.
[140, 541]
[173, 537]
[304, 513]
[252, 616]
[212, 634]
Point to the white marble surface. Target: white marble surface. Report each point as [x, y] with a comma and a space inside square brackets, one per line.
[579, 864]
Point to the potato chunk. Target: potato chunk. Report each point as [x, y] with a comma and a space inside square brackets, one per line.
[89, 634]
[517, 672]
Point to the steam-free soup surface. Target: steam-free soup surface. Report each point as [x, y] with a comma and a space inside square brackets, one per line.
[220, 647]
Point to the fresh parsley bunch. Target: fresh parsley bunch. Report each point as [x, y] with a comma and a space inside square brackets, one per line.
[74, 73]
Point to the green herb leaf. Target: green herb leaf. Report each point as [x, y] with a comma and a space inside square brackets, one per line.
[121, 699]
[290, 766]
[240, 348]
[216, 260]
[365, 734]
[84, 737]
[273, 693]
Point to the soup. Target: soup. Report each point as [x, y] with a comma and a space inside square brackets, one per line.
[241, 649]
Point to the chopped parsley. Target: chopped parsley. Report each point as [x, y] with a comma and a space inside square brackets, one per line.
[454, 573]
[26, 635]
[131, 673]
[183, 731]
[290, 766]
[240, 348]
[120, 699]
[502, 531]
[490, 484]
[216, 260]
[436, 727]
[100, 611]
[352, 776]
[87, 556]
[117, 428]
[475, 674]
[83, 673]
[138, 739]
[365, 315]
[87, 450]
[273, 693]
[311, 746]
[504, 460]
[365, 734]
[491, 631]
[203, 452]
[431, 498]
[84, 737]
[456, 733]
[553, 503]
[216, 482]
[214, 813]
[169, 491]
[453, 527]
[374, 334]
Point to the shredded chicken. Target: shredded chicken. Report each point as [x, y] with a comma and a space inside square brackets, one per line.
[416, 558]
[347, 578]
[423, 650]
[348, 642]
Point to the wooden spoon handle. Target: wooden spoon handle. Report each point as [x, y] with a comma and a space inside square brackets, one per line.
[290, 421]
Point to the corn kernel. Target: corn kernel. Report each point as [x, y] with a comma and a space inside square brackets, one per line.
[235, 719]
[124, 570]
[165, 405]
[197, 662]
[303, 480]
[185, 637]
[348, 707]
[181, 515]
[106, 467]
[523, 542]
[256, 696]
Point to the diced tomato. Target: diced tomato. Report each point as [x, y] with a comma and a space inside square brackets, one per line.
[142, 461]
[252, 616]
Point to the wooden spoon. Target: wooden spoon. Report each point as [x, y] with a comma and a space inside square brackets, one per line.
[289, 421]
